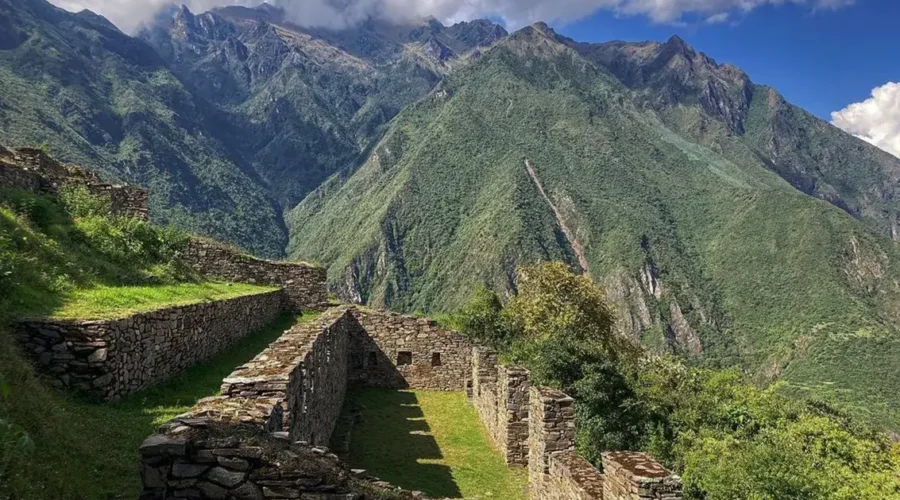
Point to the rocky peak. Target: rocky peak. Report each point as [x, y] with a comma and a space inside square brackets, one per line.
[543, 28]
[677, 45]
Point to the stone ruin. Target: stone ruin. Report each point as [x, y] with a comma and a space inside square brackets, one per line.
[289, 397]
[33, 170]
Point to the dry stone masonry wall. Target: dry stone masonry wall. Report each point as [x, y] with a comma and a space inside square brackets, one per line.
[500, 394]
[32, 170]
[304, 286]
[535, 427]
[395, 351]
[306, 369]
[117, 357]
[258, 439]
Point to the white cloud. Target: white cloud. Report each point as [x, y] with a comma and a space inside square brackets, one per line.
[876, 120]
[128, 14]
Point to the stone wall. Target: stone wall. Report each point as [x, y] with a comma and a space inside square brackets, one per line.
[32, 170]
[234, 446]
[304, 285]
[500, 394]
[113, 358]
[306, 369]
[636, 476]
[551, 433]
[395, 351]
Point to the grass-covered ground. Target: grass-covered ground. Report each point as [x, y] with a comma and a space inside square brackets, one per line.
[429, 441]
[108, 302]
[84, 450]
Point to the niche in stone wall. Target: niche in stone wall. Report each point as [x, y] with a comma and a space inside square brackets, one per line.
[404, 358]
[435, 359]
[373, 358]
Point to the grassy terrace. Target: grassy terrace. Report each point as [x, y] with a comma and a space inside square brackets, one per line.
[428, 441]
[85, 450]
[109, 302]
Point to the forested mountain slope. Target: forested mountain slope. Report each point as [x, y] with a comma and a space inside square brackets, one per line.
[702, 245]
[95, 96]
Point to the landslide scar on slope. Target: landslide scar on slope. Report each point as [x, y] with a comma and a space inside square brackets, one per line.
[570, 235]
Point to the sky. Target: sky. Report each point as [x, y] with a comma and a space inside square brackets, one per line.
[839, 59]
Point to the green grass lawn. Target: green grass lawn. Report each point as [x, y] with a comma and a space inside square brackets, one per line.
[90, 451]
[110, 302]
[429, 441]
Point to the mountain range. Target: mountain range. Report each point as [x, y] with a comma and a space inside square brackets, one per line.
[419, 162]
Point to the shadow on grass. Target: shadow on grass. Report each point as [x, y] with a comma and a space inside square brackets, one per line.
[391, 439]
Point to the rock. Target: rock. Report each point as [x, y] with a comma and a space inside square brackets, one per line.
[103, 380]
[280, 492]
[182, 470]
[212, 491]
[154, 477]
[98, 356]
[159, 444]
[234, 463]
[225, 477]
[247, 491]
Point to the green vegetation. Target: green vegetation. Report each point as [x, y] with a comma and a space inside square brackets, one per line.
[428, 441]
[727, 438]
[83, 450]
[780, 284]
[67, 257]
[107, 302]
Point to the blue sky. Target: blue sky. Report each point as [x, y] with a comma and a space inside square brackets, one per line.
[821, 60]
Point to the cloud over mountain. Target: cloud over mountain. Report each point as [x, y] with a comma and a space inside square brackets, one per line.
[129, 14]
[876, 120]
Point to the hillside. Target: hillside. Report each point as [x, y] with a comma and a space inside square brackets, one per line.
[702, 245]
[230, 117]
[95, 96]
[297, 104]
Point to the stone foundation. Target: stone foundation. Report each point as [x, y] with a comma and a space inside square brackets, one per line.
[113, 358]
[394, 351]
[304, 285]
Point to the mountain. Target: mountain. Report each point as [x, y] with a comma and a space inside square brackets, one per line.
[691, 218]
[719, 107]
[231, 117]
[95, 96]
[301, 104]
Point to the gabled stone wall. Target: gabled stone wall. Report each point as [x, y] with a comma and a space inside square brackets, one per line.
[113, 358]
[304, 285]
[500, 394]
[395, 351]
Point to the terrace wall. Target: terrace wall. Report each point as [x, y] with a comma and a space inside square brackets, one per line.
[113, 358]
[304, 285]
[33, 170]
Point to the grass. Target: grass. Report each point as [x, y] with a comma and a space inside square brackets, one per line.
[89, 451]
[429, 441]
[110, 302]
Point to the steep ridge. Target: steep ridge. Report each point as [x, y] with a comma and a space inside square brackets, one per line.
[299, 104]
[703, 251]
[719, 107]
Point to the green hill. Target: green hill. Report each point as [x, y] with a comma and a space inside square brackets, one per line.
[702, 245]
